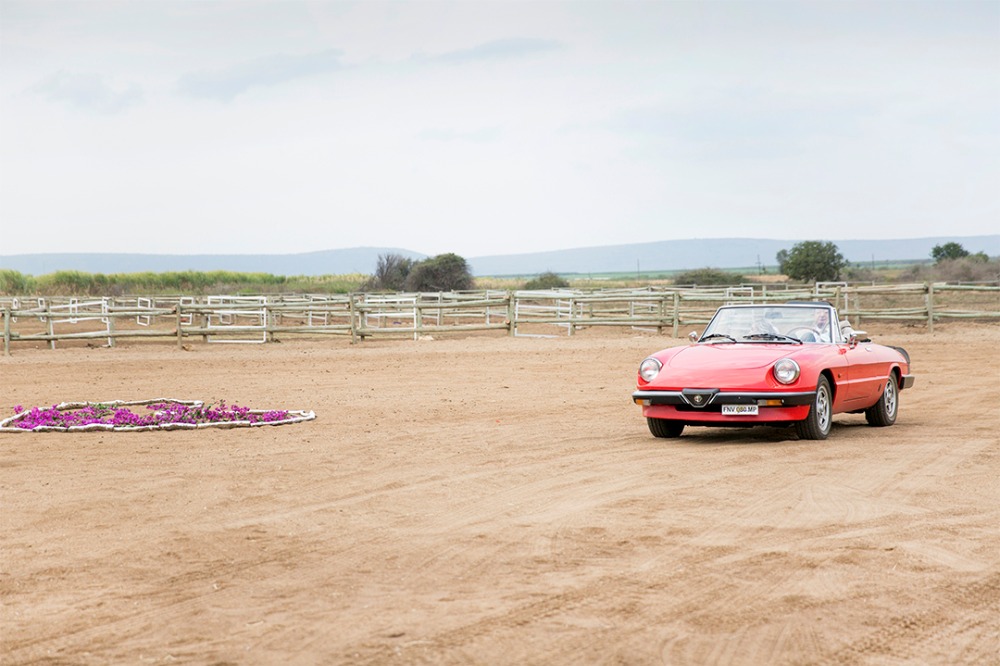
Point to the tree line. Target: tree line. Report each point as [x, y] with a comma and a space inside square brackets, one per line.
[818, 261]
[79, 283]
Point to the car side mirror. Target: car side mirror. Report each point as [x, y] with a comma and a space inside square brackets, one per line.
[852, 340]
[693, 336]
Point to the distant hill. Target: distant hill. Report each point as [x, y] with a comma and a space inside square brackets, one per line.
[714, 253]
[642, 257]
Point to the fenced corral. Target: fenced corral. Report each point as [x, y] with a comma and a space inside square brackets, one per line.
[261, 319]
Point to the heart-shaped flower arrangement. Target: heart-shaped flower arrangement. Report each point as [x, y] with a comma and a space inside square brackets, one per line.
[159, 414]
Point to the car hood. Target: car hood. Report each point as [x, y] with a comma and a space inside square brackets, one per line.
[728, 356]
[729, 366]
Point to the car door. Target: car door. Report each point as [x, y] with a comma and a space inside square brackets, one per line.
[864, 373]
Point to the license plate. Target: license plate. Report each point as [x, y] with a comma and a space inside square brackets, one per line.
[739, 410]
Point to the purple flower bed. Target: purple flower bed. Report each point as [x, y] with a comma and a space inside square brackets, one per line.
[157, 414]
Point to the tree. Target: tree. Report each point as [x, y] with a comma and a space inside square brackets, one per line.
[445, 272]
[812, 261]
[391, 272]
[948, 251]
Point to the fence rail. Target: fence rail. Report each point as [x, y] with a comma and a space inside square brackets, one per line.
[261, 319]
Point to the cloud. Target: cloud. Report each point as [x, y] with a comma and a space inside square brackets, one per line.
[500, 49]
[87, 91]
[272, 70]
[226, 84]
[484, 135]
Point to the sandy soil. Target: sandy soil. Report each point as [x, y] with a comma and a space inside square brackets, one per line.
[491, 500]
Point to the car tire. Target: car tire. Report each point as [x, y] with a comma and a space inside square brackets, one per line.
[817, 425]
[665, 428]
[883, 413]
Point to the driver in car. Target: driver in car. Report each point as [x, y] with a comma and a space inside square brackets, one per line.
[821, 322]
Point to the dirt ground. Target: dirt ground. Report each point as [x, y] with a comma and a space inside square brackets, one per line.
[488, 500]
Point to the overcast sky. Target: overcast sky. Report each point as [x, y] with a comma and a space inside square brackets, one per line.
[492, 127]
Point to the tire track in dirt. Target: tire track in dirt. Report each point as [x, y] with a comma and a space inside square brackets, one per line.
[472, 515]
[709, 605]
[172, 597]
[924, 634]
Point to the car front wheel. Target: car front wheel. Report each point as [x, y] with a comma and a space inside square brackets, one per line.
[665, 428]
[883, 412]
[817, 425]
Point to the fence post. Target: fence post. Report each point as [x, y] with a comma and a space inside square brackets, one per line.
[511, 313]
[354, 328]
[180, 335]
[111, 329]
[929, 299]
[6, 332]
[270, 321]
[677, 312]
[50, 326]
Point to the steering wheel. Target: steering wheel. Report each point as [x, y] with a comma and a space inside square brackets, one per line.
[802, 331]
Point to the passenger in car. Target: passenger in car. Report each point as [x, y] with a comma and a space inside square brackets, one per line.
[760, 325]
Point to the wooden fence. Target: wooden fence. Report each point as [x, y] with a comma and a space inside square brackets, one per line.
[261, 319]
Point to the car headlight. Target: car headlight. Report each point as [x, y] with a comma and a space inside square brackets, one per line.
[649, 368]
[786, 371]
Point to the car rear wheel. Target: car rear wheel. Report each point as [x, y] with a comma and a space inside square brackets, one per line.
[883, 412]
[665, 427]
[817, 425]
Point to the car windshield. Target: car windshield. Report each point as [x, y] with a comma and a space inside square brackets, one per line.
[772, 323]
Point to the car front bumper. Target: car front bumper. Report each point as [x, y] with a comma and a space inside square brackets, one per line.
[705, 405]
[707, 398]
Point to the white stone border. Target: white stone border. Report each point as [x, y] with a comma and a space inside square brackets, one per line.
[294, 416]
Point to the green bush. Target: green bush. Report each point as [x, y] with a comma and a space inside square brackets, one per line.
[547, 280]
[971, 268]
[445, 272]
[13, 283]
[708, 277]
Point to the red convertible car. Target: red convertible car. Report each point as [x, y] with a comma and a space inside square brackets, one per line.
[795, 365]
